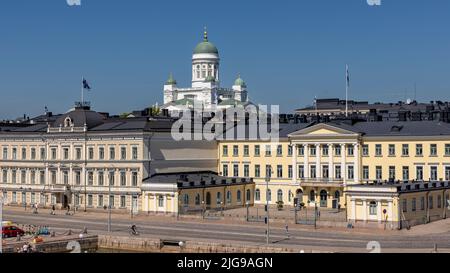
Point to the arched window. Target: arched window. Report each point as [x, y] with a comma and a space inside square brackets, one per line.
[249, 196]
[186, 200]
[219, 198]
[197, 199]
[280, 196]
[229, 197]
[238, 196]
[269, 195]
[68, 122]
[312, 196]
[160, 201]
[257, 195]
[337, 195]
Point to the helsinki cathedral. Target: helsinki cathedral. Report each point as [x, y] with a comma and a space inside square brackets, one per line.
[205, 90]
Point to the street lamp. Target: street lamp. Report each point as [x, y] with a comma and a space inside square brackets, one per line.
[1, 224]
[109, 202]
[267, 209]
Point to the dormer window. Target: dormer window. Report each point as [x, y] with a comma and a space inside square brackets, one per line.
[68, 122]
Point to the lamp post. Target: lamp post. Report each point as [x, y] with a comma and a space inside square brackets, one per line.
[248, 205]
[109, 203]
[267, 209]
[1, 224]
[203, 209]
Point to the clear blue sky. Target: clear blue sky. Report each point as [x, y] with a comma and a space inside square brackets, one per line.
[287, 51]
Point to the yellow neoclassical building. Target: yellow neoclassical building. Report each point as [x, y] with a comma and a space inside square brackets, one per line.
[319, 164]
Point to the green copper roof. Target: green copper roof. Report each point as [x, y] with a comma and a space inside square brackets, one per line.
[240, 82]
[206, 46]
[171, 80]
[210, 79]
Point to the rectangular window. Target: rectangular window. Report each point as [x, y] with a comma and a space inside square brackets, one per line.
[280, 171]
[325, 171]
[405, 173]
[134, 181]
[246, 150]
[433, 173]
[413, 204]
[350, 150]
[325, 150]
[246, 170]
[123, 203]
[301, 171]
[101, 153]
[123, 179]
[391, 150]
[90, 200]
[100, 200]
[447, 149]
[351, 172]
[419, 173]
[78, 153]
[447, 173]
[419, 150]
[134, 152]
[365, 150]
[290, 171]
[53, 151]
[14, 153]
[405, 150]
[405, 205]
[236, 170]
[379, 173]
[42, 177]
[378, 150]
[313, 171]
[24, 153]
[5, 176]
[77, 177]
[33, 153]
[338, 150]
[439, 201]
[366, 172]
[235, 150]
[257, 171]
[90, 178]
[33, 177]
[112, 201]
[422, 203]
[14, 176]
[301, 151]
[225, 150]
[279, 150]
[66, 177]
[392, 173]
[313, 151]
[225, 170]
[43, 155]
[53, 177]
[91, 153]
[111, 178]
[123, 153]
[23, 177]
[290, 150]
[337, 172]
[101, 178]
[257, 150]
[5, 153]
[268, 150]
[268, 171]
[433, 150]
[112, 153]
[430, 202]
[66, 153]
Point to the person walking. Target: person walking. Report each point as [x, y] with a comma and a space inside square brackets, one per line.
[287, 231]
[53, 210]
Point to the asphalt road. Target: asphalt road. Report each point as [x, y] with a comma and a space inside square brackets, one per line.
[254, 233]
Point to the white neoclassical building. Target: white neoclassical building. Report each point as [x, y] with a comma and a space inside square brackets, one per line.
[205, 89]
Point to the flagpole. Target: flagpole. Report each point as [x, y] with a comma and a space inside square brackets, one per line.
[346, 90]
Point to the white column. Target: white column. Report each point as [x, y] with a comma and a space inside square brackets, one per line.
[344, 163]
[146, 204]
[294, 164]
[365, 210]
[318, 167]
[165, 203]
[306, 160]
[156, 202]
[330, 162]
[391, 211]
[356, 167]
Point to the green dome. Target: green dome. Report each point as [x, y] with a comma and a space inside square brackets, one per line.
[240, 82]
[171, 80]
[206, 47]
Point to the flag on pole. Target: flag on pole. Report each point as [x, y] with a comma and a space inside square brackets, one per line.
[86, 85]
[347, 76]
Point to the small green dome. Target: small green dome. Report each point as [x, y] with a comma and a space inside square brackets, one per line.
[171, 80]
[240, 82]
[210, 78]
[206, 46]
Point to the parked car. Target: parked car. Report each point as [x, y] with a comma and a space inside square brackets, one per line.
[12, 231]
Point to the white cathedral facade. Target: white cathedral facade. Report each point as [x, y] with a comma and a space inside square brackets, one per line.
[205, 89]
